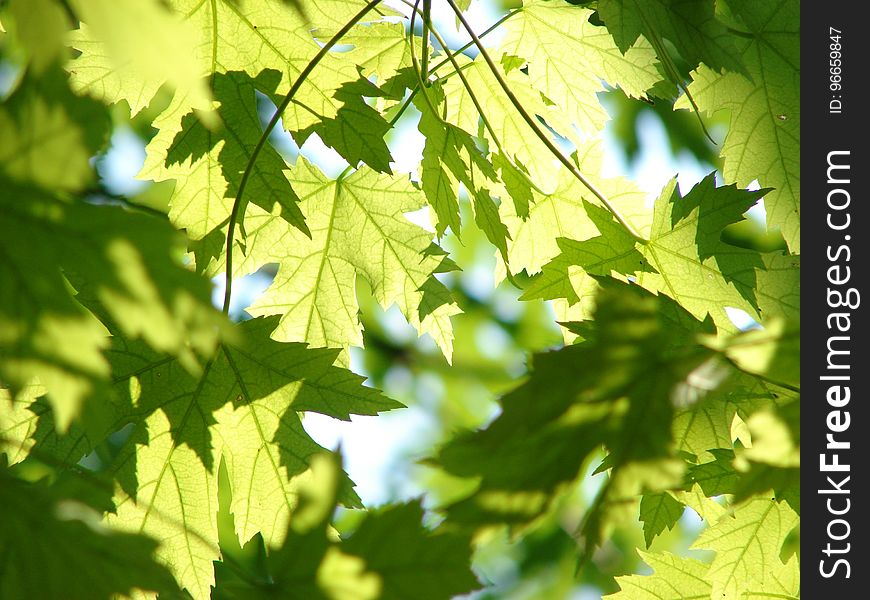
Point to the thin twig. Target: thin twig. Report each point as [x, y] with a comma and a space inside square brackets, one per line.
[422, 77]
[459, 50]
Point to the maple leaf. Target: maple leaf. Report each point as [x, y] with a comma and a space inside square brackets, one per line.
[688, 255]
[243, 409]
[357, 131]
[763, 139]
[358, 228]
[747, 547]
[570, 60]
[674, 578]
[389, 556]
[684, 254]
[207, 163]
[512, 133]
[90, 561]
[451, 157]
[691, 26]
[679, 578]
[562, 213]
[658, 511]
[130, 263]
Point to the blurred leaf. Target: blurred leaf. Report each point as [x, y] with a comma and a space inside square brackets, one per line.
[40, 26]
[132, 47]
[388, 557]
[131, 264]
[571, 404]
[53, 545]
[49, 134]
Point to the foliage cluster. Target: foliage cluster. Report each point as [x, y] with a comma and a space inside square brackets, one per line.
[135, 417]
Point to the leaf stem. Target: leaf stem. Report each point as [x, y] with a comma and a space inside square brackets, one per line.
[238, 205]
[533, 124]
[459, 50]
[458, 70]
[671, 69]
[467, 86]
[427, 17]
[404, 107]
[422, 76]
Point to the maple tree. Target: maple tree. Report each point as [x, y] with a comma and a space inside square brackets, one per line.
[149, 442]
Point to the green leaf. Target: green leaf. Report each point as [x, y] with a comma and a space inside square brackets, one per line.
[131, 263]
[390, 556]
[570, 60]
[243, 409]
[357, 131]
[451, 157]
[716, 477]
[763, 139]
[784, 581]
[724, 394]
[432, 565]
[49, 134]
[773, 461]
[226, 36]
[40, 27]
[706, 508]
[611, 251]
[53, 545]
[207, 164]
[17, 423]
[747, 547]
[688, 255]
[690, 25]
[132, 47]
[675, 578]
[516, 183]
[658, 512]
[678, 578]
[517, 139]
[684, 254]
[443, 166]
[572, 404]
[562, 213]
[379, 48]
[781, 279]
[358, 228]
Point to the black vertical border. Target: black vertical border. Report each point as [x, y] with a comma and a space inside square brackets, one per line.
[824, 131]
